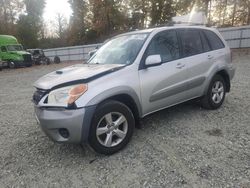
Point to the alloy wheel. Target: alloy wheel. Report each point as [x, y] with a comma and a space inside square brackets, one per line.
[217, 92]
[112, 129]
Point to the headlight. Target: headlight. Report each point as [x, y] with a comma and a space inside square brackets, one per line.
[67, 95]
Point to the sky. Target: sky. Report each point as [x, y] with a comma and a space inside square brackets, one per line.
[53, 7]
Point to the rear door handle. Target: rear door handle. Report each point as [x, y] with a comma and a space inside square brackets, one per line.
[180, 65]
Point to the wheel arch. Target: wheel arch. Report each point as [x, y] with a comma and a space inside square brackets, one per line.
[123, 94]
[225, 76]
[128, 101]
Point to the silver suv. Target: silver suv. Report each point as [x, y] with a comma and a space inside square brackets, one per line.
[130, 76]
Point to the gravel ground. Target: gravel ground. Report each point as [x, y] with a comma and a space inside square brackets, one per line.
[184, 146]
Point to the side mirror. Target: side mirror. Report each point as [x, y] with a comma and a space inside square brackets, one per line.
[153, 60]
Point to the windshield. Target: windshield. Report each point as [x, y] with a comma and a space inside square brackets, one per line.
[15, 48]
[120, 50]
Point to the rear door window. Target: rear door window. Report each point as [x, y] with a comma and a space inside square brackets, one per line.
[214, 40]
[191, 42]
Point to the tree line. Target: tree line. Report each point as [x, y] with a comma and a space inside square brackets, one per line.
[94, 21]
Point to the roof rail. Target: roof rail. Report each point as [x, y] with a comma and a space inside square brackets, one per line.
[173, 23]
[189, 23]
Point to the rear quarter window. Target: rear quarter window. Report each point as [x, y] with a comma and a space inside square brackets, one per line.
[206, 46]
[214, 41]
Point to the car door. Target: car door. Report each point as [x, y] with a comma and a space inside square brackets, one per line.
[198, 59]
[165, 84]
[217, 52]
[3, 53]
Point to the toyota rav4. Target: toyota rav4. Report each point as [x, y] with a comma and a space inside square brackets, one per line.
[130, 76]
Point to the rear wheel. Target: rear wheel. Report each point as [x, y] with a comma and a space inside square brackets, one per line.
[111, 128]
[47, 61]
[37, 62]
[215, 95]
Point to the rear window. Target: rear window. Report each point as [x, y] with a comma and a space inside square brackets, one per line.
[191, 42]
[214, 41]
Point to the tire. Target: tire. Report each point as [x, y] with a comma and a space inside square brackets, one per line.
[43, 62]
[119, 134]
[37, 62]
[29, 65]
[215, 95]
[57, 60]
[11, 64]
[47, 61]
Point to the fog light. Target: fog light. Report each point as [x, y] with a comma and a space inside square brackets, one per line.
[64, 133]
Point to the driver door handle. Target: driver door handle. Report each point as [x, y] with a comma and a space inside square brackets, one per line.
[180, 65]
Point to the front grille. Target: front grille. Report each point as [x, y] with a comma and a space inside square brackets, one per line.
[27, 58]
[38, 95]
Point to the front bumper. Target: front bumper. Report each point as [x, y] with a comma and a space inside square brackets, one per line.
[22, 63]
[53, 121]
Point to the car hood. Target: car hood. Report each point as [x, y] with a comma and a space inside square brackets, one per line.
[73, 74]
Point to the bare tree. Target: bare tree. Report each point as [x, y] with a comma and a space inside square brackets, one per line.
[248, 11]
[9, 12]
[225, 12]
[61, 25]
[234, 12]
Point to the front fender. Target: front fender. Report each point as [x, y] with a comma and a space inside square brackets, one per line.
[112, 92]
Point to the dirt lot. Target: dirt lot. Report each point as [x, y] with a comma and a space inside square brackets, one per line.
[184, 146]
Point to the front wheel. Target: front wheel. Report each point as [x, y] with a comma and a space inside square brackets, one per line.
[215, 95]
[11, 64]
[111, 128]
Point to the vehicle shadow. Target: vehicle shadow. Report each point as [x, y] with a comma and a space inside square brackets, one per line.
[171, 113]
[155, 122]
